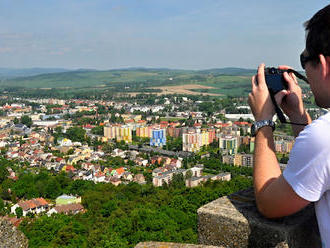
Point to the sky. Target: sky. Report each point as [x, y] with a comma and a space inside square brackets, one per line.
[176, 34]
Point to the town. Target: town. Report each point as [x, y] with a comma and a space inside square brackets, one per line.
[123, 142]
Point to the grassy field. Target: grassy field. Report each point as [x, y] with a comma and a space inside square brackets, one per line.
[216, 82]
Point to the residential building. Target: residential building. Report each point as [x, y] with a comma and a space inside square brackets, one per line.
[158, 137]
[34, 206]
[191, 141]
[228, 144]
[72, 208]
[242, 159]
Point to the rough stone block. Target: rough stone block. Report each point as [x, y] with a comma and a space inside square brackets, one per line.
[10, 236]
[234, 221]
[171, 245]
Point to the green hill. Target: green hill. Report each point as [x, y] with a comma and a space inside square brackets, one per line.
[225, 81]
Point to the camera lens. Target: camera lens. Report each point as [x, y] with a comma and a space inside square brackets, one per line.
[272, 70]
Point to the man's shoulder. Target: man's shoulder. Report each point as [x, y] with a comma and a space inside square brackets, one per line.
[316, 134]
[320, 125]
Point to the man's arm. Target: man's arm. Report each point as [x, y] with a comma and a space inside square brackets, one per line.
[274, 196]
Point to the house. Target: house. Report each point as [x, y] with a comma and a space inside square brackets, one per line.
[118, 153]
[166, 177]
[88, 175]
[141, 162]
[139, 178]
[67, 199]
[127, 176]
[118, 172]
[72, 208]
[99, 177]
[35, 206]
[196, 171]
[115, 181]
[195, 181]
[64, 142]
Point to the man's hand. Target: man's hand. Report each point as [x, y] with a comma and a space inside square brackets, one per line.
[290, 100]
[259, 98]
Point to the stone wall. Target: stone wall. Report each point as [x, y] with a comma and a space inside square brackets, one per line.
[10, 236]
[171, 245]
[234, 221]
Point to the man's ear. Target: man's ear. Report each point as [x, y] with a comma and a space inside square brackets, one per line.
[325, 66]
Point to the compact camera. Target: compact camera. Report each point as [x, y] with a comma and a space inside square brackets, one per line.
[275, 80]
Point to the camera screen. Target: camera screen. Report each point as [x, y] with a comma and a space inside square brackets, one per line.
[275, 82]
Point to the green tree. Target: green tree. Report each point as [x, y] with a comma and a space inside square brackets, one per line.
[26, 120]
[19, 212]
[2, 207]
[177, 181]
[76, 134]
[3, 173]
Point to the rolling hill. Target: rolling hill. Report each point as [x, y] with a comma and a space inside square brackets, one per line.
[224, 81]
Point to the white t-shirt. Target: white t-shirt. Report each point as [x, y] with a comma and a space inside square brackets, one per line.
[308, 171]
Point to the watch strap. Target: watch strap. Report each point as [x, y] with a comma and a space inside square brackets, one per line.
[259, 124]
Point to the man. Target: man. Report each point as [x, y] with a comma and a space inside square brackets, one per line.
[307, 176]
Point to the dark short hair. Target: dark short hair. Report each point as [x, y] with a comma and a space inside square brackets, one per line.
[318, 34]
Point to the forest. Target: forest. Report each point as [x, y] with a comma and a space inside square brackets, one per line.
[119, 216]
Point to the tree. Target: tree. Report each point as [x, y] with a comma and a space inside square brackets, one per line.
[177, 181]
[188, 174]
[19, 212]
[3, 173]
[99, 130]
[76, 134]
[26, 120]
[2, 207]
[58, 129]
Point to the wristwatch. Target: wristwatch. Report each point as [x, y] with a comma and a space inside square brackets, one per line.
[259, 124]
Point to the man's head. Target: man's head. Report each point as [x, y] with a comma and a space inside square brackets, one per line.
[316, 57]
[318, 35]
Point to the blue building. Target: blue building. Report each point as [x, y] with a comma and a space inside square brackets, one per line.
[158, 137]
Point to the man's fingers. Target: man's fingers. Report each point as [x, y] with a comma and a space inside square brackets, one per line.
[254, 82]
[294, 77]
[279, 96]
[261, 76]
[291, 81]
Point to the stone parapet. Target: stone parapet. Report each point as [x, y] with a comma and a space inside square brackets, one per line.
[234, 221]
[10, 236]
[172, 245]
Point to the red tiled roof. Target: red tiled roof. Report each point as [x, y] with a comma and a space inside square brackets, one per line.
[70, 168]
[68, 208]
[120, 170]
[241, 123]
[58, 159]
[33, 203]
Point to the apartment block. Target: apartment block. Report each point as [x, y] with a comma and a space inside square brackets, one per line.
[191, 141]
[158, 137]
[118, 132]
[228, 144]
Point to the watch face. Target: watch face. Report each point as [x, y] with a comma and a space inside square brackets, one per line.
[253, 130]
